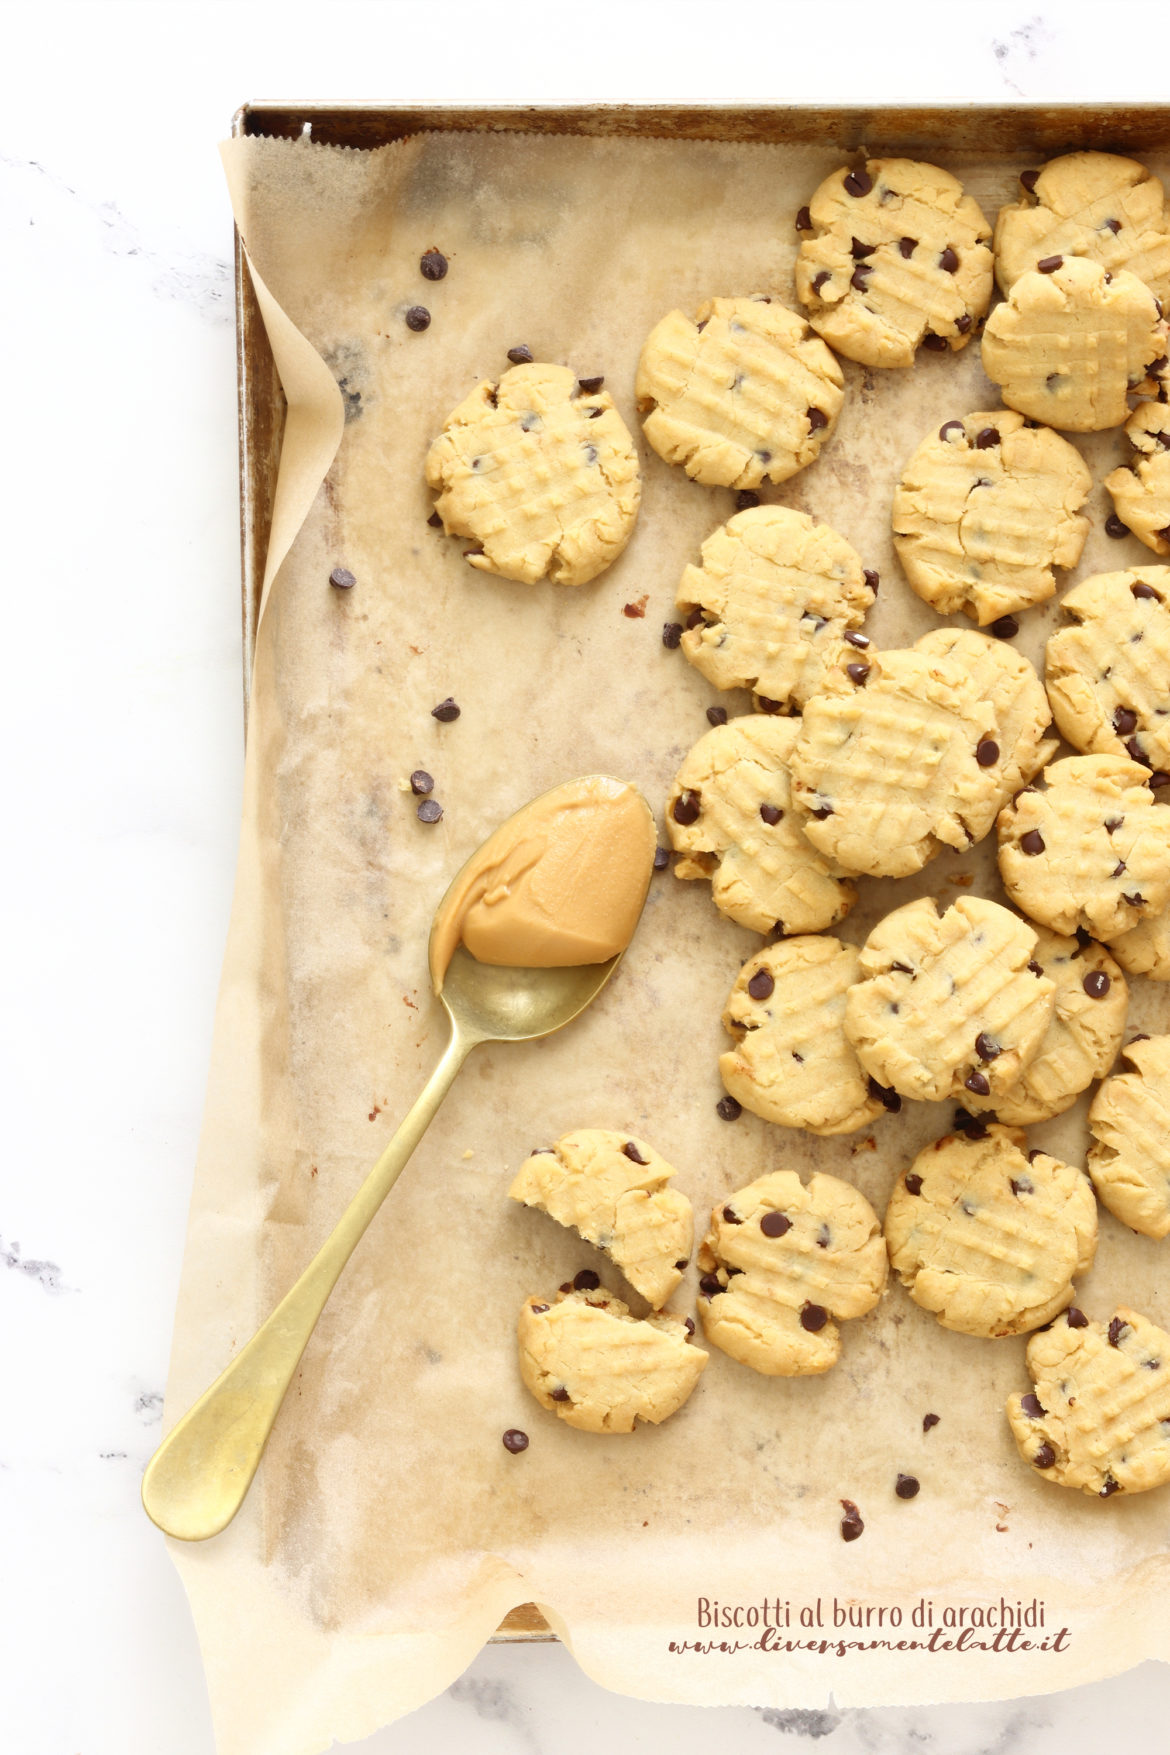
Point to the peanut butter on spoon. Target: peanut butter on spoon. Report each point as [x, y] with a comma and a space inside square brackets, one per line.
[559, 884]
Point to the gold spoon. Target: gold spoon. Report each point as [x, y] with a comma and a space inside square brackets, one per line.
[198, 1477]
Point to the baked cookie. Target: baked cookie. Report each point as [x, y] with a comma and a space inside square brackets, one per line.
[1006, 681]
[541, 473]
[1094, 204]
[791, 1063]
[1108, 674]
[986, 508]
[1146, 949]
[587, 1360]
[613, 1190]
[742, 393]
[1141, 488]
[887, 766]
[1129, 1159]
[1091, 850]
[783, 1264]
[1081, 1042]
[775, 604]
[1099, 1416]
[1071, 341]
[989, 1237]
[949, 1004]
[730, 818]
[897, 258]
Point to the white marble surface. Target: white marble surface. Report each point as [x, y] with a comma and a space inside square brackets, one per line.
[122, 717]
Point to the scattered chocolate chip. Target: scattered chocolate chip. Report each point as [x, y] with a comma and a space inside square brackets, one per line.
[435, 522]
[936, 343]
[986, 438]
[433, 266]
[446, 711]
[429, 811]
[851, 1523]
[661, 858]
[1141, 589]
[761, 984]
[520, 356]
[745, 499]
[1110, 1487]
[1076, 1318]
[342, 578]
[804, 220]
[948, 427]
[589, 386]
[861, 641]
[1032, 842]
[1116, 1329]
[1044, 1457]
[671, 635]
[976, 1082]
[929, 1420]
[717, 715]
[686, 808]
[813, 1317]
[986, 1047]
[819, 280]
[633, 1154]
[817, 418]
[586, 1281]
[1006, 628]
[539, 1309]
[857, 674]
[728, 1109]
[731, 1216]
[889, 1099]
[948, 261]
[560, 1394]
[775, 1225]
[963, 323]
[1158, 779]
[766, 705]
[1114, 527]
[913, 1182]
[421, 783]
[1036, 968]
[1049, 264]
[689, 1325]
[1029, 180]
[1031, 1406]
[635, 611]
[987, 753]
[514, 1439]
[906, 1486]
[872, 578]
[709, 1286]
[418, 318]
[772, 814]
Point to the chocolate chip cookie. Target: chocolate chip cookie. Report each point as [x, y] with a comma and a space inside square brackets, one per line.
[587, 1360]
[1141, 488]
[1129, 1120]
[1094, 204]
[1108, 672]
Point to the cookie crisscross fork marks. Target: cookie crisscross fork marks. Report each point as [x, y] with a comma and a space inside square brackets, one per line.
[1129, 1119]
[1108, 672]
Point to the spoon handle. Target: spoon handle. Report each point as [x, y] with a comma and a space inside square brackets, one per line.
[197, 1478]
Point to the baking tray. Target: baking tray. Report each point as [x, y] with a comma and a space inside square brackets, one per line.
[1019, 134]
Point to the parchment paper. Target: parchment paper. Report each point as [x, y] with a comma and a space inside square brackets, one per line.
[389, 1530]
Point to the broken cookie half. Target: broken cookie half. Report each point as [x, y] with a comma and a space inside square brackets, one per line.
[589, 1361]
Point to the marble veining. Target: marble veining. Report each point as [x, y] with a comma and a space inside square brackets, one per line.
[46, 1273]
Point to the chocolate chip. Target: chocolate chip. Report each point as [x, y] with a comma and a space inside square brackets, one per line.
[1029, 180]
[1044, 1457]
[929, 1420]
[696, 618]
[1006, 628]
[520, 356]
[589, 386]
[775, 1225]
[433, 266]
[858, 183]
[976, 1082]
[1112, 824]
[1116, 1329]
[860, 276]
[889, 1099]
[986, 1047]
[1136, 900]
[446, 711]
[804, 220]
[421, 783]
[948, 427]
[768, 706]
[963, 323]
[872, 578]
[514, 1439]
[1141, 589]
[1049, 264]
[342, 578]
[418, 318]
[661, 858]
[859, 640]
[709, 1286]
[633, 1154]
[1114, 527]
[813, 1317]
[906, 1486]
[1110, 1487]
[819, 280]
[986, 438]
[539, 1309]
[717, 715]
[761, 984]
[586, 1281]
[560, 1394]
[1076, 1318]
[771, 814]
[817, 418]
[689, 1324]
[822, 811]
[860, 251]
[948, 261]
[851, 1523]
[1096, 984]
[987, 753]
[429, 811]
[435, 522]
[731, 1216]
[857, 674]
[913, 1182]
[728, 1109]
[936, 343]
[1036, 968]
[1158, 779]
[1023, 1184]
[745, 499]
[1031, 1406]
[671, 635]
[1032, 843]
[686, 808]
[907, 246]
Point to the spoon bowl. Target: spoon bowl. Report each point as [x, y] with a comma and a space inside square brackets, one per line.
[488, 1003]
